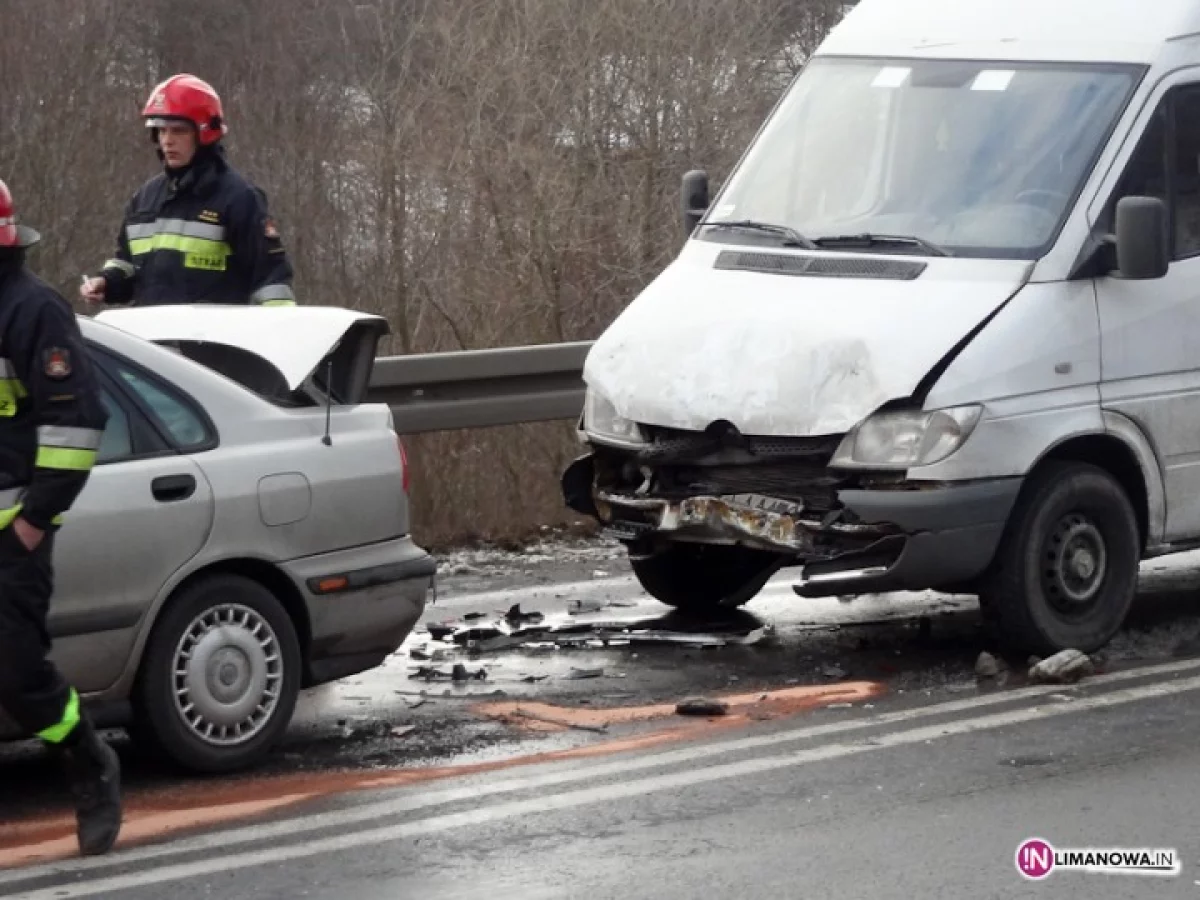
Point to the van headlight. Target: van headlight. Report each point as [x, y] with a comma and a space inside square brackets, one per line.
[905, 439]
[602, 423]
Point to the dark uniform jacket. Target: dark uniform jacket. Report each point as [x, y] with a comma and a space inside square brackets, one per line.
[52, 415]
[201, 237]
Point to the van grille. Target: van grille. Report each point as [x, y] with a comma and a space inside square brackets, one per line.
[820, 266]
[671, 444]
[814, 486]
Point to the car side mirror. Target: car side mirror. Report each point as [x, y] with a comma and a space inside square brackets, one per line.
[1142, 238]
[694, 199]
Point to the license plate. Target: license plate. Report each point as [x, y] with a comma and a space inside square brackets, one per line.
[625, 530]
[765, 504]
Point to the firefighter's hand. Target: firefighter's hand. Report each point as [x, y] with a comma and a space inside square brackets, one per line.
[92, 290]
[29, 535]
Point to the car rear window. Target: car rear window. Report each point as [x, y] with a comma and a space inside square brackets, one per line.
[185, 426]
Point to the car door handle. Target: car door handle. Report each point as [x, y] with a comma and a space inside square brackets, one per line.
[173, 487]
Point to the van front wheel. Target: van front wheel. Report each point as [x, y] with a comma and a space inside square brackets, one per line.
[1066, 571]
[704, 579]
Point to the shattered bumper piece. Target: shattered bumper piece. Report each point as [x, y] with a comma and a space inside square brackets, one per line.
[769, 523]
[566, 631]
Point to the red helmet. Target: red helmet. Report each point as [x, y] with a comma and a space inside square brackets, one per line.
[187, 98]
[12, 234]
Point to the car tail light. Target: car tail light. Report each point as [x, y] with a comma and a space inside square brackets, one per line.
[406, 479]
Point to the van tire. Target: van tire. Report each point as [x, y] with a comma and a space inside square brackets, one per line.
[704, 579]
[255, 664]
[1065, 574]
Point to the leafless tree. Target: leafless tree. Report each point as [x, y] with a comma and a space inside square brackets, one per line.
[482, 172]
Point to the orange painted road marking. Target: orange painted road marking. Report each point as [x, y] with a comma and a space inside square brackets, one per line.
[140, 825]
[742, 707]
[156, 815]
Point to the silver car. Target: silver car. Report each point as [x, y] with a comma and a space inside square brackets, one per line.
[245, 532]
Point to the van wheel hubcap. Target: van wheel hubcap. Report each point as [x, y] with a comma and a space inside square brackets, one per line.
[228, 675]
[1076, 561]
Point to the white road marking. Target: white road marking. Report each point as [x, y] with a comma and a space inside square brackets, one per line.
[603, 793]
[226, 840]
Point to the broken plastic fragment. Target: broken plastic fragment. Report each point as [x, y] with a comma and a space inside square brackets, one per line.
[515, 616]
[701, 706]
[577, 673]
[1063, 667]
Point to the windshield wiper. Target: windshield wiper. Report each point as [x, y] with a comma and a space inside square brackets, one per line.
[794, 238]
[869, 240]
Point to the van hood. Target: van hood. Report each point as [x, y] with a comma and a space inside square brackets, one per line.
[788, 355]
[293, 339]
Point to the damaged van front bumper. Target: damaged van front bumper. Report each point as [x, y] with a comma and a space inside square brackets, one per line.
[905, 536]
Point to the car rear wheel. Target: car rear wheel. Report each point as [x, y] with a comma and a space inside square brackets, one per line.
[1066, 571]
[220, 677]
[702, 578]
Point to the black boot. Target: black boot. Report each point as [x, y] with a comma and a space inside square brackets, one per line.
[94, 773]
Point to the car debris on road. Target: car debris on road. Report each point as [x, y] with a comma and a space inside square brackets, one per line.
[476, 633]
[702, 706]
[1063, 667]
[458, 673]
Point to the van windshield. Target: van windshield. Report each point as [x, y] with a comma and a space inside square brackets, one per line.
[978, 159]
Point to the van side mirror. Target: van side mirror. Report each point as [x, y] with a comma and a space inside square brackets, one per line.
[694, 199]
[1142, 238]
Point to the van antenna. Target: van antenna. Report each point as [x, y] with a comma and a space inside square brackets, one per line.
[326, 439]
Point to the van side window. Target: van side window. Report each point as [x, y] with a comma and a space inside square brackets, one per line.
[1146, 172]
[1185, 180]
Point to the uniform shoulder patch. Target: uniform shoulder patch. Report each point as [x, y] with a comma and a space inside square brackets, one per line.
[270, 230]
[56, 363]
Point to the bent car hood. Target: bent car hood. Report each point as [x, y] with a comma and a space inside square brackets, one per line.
[786, 355]
[294, 339]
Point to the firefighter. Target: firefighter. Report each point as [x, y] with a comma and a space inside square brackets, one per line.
[52, 418]
[198, 232]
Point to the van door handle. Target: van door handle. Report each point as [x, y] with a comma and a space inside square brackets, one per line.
[173, 487]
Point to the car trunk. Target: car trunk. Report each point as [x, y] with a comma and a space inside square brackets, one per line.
[293, 356]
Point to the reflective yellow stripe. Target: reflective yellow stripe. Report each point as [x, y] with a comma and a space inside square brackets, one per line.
[182, 243]
[68, 436]
[56, 734]
[65, 458]
[11, 389]
[184, 227]
[121, 266]
[8, 514]
[274, 295]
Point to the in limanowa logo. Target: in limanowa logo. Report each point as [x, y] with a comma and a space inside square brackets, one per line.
[1036, 860]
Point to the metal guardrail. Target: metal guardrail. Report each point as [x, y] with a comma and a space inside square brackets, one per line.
[481, 388]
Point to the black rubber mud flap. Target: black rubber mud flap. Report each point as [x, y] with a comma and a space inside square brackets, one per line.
[577, 481]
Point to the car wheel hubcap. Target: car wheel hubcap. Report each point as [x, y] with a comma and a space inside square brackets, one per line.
[1076, 563]
[228, 674]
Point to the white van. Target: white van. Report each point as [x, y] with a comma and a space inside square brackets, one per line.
[939, 329]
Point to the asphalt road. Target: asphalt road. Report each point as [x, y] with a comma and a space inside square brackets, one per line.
[928, 800]
[917, 779]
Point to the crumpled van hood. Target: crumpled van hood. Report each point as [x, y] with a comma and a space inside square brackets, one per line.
[787, 355]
